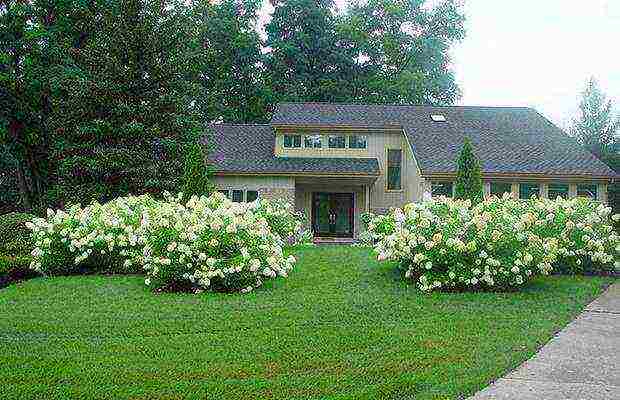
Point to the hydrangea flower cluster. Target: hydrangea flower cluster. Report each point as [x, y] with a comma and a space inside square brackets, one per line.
[498, 244]
[206, 243]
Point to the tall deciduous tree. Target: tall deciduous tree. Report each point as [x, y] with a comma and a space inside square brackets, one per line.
[402, 50]
[468, 175]
[596, 127]
[233, 70]
[307, 59]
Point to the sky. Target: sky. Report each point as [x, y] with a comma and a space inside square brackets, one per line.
[535, 53]
[538, 53]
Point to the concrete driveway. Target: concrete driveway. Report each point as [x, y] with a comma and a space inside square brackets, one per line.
[582, 362]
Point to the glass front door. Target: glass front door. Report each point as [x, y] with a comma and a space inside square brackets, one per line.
[332, 214]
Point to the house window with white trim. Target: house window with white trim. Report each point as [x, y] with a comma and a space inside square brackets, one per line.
[336, 141]
[358, 142]
[527, 190]
[589, 191]
[556, 190]
[394, 164]
[292, 141]
[313, 141]
[442, 189]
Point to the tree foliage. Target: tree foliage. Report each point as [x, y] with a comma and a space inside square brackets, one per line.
[196, 174]
[595, 127]
[402, 50]
[468, 176]
[308, 60]
[35, 42]
[376, 51]
[233, 71]
[101, 97]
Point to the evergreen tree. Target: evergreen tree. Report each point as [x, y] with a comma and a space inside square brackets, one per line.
[196, 174]
[468, 175]
[135, 103]
[596, 127]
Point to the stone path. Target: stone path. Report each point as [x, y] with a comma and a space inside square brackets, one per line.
[582, 362]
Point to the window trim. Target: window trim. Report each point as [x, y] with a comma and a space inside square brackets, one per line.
[402, 169]
[301, 141]
[312, 135]
[357, 148]
[336, 148]
[491, 183]
[538, 184]
[244, 195]
[558, 184]
[596, 193]
[452, 185]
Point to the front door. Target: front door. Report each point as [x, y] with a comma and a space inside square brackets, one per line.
[332, 214]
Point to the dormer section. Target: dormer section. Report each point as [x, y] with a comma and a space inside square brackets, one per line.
[329, 142]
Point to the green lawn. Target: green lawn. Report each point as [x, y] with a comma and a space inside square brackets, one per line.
[341, 326]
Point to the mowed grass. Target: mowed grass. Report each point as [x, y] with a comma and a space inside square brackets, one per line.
[342, 326]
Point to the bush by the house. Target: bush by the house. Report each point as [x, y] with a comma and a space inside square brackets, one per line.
[211, 243]
[15, 237]
[15, 247]
[497, 244]
[97, 238]
[284, 221]
[205, 243]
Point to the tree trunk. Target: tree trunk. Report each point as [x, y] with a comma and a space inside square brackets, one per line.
[22, 183]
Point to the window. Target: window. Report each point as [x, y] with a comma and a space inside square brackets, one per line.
[394, 160]
[292, 141]
[224, 192]
[587, 191]
[336, 141]
[251, 195]
[527, 190]
[237, 196]
[441, 189]
[499, 188]
[557, 190]
[313, 141]
[357, 142]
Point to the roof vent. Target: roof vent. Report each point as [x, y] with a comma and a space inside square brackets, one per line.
[438, 118]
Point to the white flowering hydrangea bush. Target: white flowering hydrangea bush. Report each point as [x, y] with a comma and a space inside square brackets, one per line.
[498, 244]
[100, 237]
[292, 226]
[206, 243]
[211, 243]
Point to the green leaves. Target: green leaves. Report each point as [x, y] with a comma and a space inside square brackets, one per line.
[468, 175]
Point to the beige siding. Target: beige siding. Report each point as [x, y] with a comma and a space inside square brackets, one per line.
[254, 182]
[380, 198]
[378, 141]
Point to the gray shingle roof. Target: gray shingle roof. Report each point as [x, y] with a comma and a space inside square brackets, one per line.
[250, 149]
[506, 139]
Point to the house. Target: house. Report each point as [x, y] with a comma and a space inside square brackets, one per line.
[336, 161]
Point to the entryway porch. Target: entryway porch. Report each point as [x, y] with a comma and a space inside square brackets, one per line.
[334, 205]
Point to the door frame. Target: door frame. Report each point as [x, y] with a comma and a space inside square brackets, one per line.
[351, 215]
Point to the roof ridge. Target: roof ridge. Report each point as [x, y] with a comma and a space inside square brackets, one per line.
[401, 105]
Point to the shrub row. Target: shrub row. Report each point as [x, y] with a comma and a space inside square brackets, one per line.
[497, 244]
[204, 243]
